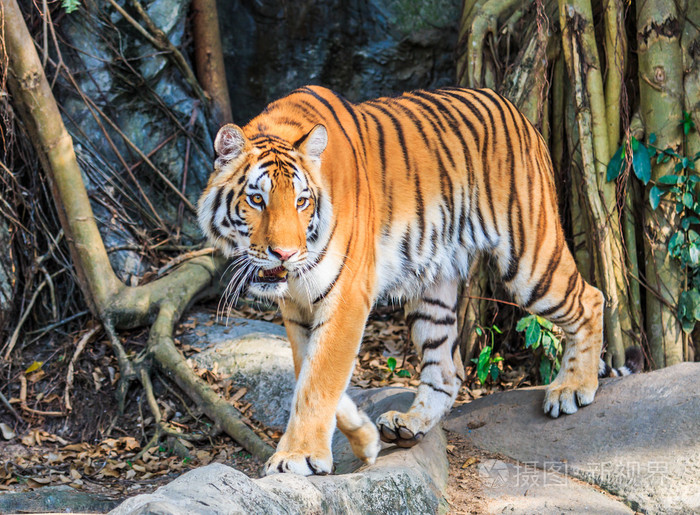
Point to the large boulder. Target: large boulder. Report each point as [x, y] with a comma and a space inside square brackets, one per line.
[401, 481]
[638, 440]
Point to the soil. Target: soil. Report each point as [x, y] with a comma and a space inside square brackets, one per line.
[98, 450]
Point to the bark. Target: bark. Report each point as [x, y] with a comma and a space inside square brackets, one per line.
[661, 93]
[581, 56]
[209, 59]
[117, 305]
[615, 54]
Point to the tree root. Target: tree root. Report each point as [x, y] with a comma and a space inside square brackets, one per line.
[118, 306]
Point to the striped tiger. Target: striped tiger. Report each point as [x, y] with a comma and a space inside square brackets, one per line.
[327, 206]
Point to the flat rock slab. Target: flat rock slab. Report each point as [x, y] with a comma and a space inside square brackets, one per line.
[253, 354]
[401, 481]
[519, 489]
[52, 499]
[638, 440]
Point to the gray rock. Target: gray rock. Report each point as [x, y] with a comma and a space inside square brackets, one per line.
[361, 49]
[638, 439]
[519, 489]
[401, 481]
[149, 101]
[55, 499]
[254, 355]
[8, 274]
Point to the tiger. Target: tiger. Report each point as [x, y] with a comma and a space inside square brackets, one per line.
[327, 206]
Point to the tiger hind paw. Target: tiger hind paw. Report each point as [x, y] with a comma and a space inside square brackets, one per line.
[401, 429]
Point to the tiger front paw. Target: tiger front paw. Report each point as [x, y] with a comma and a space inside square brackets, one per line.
[402, 429]
[364, 440]
[302, 463]
[567, 392]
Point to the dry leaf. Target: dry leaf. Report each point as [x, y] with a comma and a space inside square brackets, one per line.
[469, 462]
[7, 432]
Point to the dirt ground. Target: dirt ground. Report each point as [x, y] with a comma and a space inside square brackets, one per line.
[98, 450]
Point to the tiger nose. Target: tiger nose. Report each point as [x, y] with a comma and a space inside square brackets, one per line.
[282, 254]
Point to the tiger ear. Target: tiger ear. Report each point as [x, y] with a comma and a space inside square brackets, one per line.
[229, 143]
[314, 142]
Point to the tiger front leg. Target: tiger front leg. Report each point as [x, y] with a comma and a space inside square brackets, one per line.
[433, 329]
[333, 343]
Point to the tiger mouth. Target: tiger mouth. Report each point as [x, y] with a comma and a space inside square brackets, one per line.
[272, 275]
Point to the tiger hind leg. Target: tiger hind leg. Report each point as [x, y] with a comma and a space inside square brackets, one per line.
[433, 328]
[563, 297]
[359, 430]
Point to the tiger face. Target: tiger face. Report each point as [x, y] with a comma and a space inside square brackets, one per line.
[261, 206]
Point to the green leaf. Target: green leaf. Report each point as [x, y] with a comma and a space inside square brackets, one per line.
[668, 179]
[496, 329]
[544, 322]
[391, 363]
[675, 242]
[655, 196]
[688, 199]
[688, 220]
[652, 138]
[494, 372]
[545, 370]
[479, 331]
[532, 335]
[615, 164]
[70, 5]
[641, 163]
[484, 365]
[524, 323]
[685, 162]
[404, 373]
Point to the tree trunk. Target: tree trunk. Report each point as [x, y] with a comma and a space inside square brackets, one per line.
[661, 89]
[209, 59]
[580, 51]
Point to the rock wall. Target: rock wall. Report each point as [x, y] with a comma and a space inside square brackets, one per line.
[360, 48]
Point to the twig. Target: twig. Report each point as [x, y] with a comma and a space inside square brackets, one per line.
[23, 401]
[161, 42]
[48, 328]
[71, 366]
[10, 408]
[183, 257]
[15, 334]
[494, 300]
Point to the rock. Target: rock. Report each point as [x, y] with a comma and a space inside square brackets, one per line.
[361, 49]
[518, 489]
[638, 440]
[8, 275]
[140, 89]
[63, 499]
[401, 481]
[254, 355]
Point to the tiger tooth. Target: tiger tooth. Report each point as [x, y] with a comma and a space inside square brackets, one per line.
[282, 274]
[260, 273]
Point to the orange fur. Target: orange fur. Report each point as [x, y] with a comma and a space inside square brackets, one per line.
[401, 195]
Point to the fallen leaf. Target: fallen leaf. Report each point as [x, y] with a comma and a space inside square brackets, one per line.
[7, 432]
[34, 367]
[469, 462]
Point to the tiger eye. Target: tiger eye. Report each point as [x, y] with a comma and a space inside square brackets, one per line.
[301, 201]
[257, 199]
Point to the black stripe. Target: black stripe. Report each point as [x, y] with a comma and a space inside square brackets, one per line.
[433, 344]
[436, 388]
[438, 302]
[414, 317]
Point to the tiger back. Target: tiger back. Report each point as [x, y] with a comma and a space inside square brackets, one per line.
[328, 206]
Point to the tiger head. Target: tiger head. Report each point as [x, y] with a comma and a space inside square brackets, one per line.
[262, 206]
